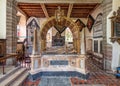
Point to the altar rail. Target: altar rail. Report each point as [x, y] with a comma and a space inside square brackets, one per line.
[98, 59]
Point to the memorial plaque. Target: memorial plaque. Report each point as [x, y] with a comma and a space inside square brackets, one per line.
[58, 62]
[115, 26]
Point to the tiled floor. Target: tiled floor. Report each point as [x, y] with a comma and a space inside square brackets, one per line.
[97, 77]
[55, 81]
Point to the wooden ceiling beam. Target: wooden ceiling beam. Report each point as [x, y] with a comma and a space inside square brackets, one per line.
[94, 9]
[36, 10]
[27, 7]
[44, 10]
[85, 7]
[69, 10]
[81, 10]
[22, 12]
[54, 7]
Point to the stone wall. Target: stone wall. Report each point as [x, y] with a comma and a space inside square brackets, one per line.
[11, 25]
[107, 8]
[107, 57]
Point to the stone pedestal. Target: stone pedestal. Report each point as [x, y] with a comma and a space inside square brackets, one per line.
[35, 62]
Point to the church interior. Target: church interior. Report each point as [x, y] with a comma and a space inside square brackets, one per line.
[60, 43]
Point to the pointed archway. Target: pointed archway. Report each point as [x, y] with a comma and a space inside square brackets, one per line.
[65, 22]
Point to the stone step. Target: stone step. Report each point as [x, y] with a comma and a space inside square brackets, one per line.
[20, 79]
[12, 77]
[55, 81]
[5, 76]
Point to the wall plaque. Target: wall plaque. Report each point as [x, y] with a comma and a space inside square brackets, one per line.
[117, 29]
[58, 62]
[115, 26]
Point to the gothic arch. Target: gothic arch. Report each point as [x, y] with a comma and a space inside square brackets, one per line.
[65, 22]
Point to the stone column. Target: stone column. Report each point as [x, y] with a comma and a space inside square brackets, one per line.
[35, 57]
[43, 44]
[35, 45]
[32, 63]
[74, 44]
[11, 26]
[78, 46]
